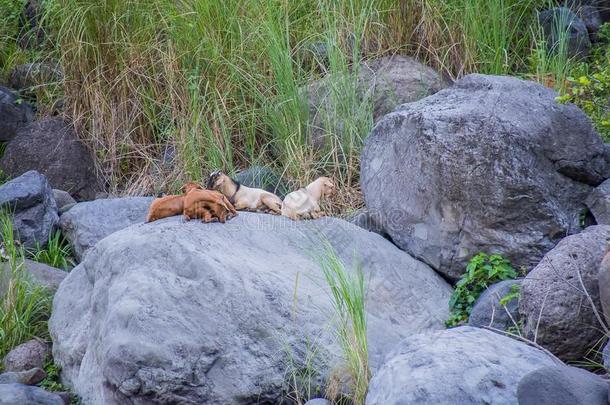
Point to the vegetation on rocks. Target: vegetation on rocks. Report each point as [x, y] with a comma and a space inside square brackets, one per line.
[482, 271]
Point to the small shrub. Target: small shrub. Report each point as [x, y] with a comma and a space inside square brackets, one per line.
[24, 307]
[348, 295]
[589, 85]
[482, 271]
[56, 254]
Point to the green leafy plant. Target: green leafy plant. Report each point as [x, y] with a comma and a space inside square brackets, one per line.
[482, 271]
[57, 252]
[53, 381]
[589, 85]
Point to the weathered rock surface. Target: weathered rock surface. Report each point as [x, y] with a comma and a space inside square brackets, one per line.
[11, 394]
[556, 311]
[369, 221]
[265, 178]
[561, 22]
[488, 311]
[463, 365]
[14, 114]
[30, 200]
[51, 147]
[604, 284]
[31, 354]
[562, 386]
[30, 75]
[87, 223]
[387, 82]
[606, 356]
[598, 202]
[210, 313]
[29, 377]
[467, 169]
[62, 198]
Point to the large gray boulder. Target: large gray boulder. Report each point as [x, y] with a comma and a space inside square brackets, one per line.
[492, 164]
[30, 200]
[562, 385]
[14, 114]
[489, 310]
[386, 82]
[52, 147]
[11, 394]
[598, 202]
[463, 365]
[197, 313]
[556, 311]
[88, 222]
[559, 25]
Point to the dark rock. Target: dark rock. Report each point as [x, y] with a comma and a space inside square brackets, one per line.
[31, 354]
[606, 356]
[178, 312]
[29, 377]
[557, 314]
[29, 75]
[51, 147]
[265, 178]
[561, 21]
[464, 171]
[598, 202]
[387, 82]
[30, 199]
[62, 198]
[461, 365]
[12, 394]
[562, 386]
[14, 114]
[369, 221]
[487, 310]
[604, 284]
[87, 223]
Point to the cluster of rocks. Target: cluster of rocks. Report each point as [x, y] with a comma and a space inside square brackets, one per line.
[234, 313]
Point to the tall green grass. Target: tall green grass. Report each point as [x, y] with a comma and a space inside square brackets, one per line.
[24, 306]
[348, 294]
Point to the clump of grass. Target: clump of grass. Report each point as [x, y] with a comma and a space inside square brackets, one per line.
[348, 294]
[57, 252]
[24, 307]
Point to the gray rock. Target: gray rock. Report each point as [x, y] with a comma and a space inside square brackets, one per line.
[387, 82]
[30, 199]
[40, 273]
[31, 354]
[561, 22]
[592, 19]
[29, 75]
[14, 114]
[562, 386]
[606, 356]
[487, 310]
[556, 312]
[87, 223]
[265, 178]
[604, 284]
[465, 170]
[11, 394]
[598, 202]
[51, 147]
[62, 198]
[369, 221]
[29, 377]
[211, 313]
[463, 365]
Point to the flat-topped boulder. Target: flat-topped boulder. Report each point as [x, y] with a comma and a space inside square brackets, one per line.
[196, 313]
